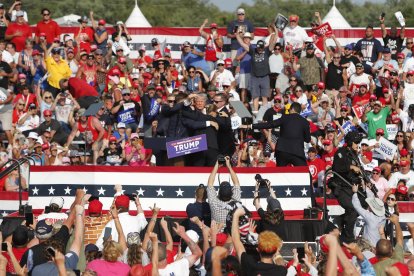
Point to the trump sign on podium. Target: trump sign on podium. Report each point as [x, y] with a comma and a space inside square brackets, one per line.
[186, 146]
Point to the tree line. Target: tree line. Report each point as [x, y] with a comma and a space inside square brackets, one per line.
[191, 13]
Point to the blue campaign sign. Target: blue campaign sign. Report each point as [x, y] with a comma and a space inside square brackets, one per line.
[308, 110]
[186, 146]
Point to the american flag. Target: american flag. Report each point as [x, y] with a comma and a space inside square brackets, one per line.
[171, 188]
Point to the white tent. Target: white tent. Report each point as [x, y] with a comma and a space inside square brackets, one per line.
[137, 18]
[68, 20]
[335, 19]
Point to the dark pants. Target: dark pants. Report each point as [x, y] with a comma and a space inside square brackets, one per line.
[344, 197]
[205, 158]
[284, 159]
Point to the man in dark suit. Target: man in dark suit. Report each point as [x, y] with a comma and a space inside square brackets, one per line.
[294, 131]
[225, 135]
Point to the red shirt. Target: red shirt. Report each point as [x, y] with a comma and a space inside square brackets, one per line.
[367, 154]
[18, 253]
[316, 166]
[16, 115]
[358, 98]
[170, 259]
[328, 157]
[19, 41]
[29, 99]
[145, 59]
[51, 29]
[86, 37]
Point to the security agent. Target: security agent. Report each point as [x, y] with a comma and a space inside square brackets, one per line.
[346, 165]
[294, 131]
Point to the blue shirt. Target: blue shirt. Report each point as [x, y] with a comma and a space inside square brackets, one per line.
[370, 49]
[245, 62]
[244, 26]
[191, 59]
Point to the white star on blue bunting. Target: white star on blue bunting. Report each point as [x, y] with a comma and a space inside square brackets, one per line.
[67, 190]
[160, 192]
[101, 191]
[140, 192]
[51, 191]
[288, 192]
[35, 191]
[179, 192]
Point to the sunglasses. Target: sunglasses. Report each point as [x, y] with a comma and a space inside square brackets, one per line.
[20, 104]
[91, 58]
[160, 63]
[394, 74]
[99, 54]
[379, 134]
[298, 90]
[391, 198]
[400, 135]
[217, 101]
[47, 116]
[374, 172]
[122, 63]
[220, 64]
[344, 110]
[127, 94]
[135, 139]
[119, 50]
[47, 98]
[278, 101]
[277, 49]
[292, 80]
[240, 14]
[191, 72]
[171, 101]
[46, 14]
[409, 42]
[112, 143]
[337, 57]
[47, 137]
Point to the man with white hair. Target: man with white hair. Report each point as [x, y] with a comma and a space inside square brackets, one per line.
[221, 75]
[239, 26]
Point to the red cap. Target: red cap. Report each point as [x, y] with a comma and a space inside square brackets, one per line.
[411, 72]
[95, 207]
[321, 85]
[327, 142]
[228, 63]
[213, 25]
[404, 163]
[56, 39]
[400, 55]
[122, 201]
[379, 131]
[42, 34]
[377, 169]
[293, 18]
[385, 90]
[277, 97]
[22, 76]
[344, 107]
[121, 60]
[402, 268]
[116, 71]
[373, 97]
[45, 146]
[159, 87]
[395, 117]
[35, 52]
[94, 47]
[402, 189]
[135, 85]
[112, 139]
[403, 152]
[47, 112]
[101, 22]
[221, 239]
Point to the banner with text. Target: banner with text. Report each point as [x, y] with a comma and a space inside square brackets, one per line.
[186, 146]
[386, 148]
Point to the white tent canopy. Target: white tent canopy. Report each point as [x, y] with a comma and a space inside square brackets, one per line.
[137, 18]
[68, 20]
[335, 19]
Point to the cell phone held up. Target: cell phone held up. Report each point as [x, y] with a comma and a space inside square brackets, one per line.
[51, 251]
[4, 246]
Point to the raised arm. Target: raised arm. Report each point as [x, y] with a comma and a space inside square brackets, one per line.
[235, 233]
[154, 256]
[233, 175]
[121, 236]
[240, 40]
[201, 30]
[79, 229]
[398, 232]
[194, 248]
[212, 176]
[155, 210]
[167, 233]
[382, 25]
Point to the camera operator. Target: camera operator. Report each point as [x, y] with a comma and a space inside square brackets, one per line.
[346, 165]
[289, 148]
[218, 203]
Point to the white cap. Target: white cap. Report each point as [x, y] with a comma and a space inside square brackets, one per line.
[119, 23]
[115, 79]
[121, 125]
[58, 200]
[309, 39]
[247, 34]
[134, 76]
[240, 10]
[193, 235]
[364, 141]
[220, 61]
[33, 135]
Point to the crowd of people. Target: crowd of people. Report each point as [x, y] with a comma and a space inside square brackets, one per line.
[74, 99]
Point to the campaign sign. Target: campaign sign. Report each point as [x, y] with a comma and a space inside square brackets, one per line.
[386, 148]
[323, 30]
[281, 22]
[186, 146]
[392, 130]
[360, 109]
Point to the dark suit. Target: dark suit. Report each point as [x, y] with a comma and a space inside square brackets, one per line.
[225, 135]
[294, 131]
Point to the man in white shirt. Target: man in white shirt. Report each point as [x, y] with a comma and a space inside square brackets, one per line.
[29, 121]
[408, 93]
[221, 75]
[358, 78]
[182, 266]
[404, 173]
[55, 211]
[294, 35]
[129, 223]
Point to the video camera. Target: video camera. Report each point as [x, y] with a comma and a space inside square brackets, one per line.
[221, 160]
[263, 186]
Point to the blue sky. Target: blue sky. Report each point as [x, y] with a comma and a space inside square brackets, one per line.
[231, 5]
